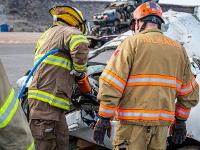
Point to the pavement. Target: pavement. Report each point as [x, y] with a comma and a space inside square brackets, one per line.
[17, 53]
[17, 59]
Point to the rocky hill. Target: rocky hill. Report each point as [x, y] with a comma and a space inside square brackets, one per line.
[32, 15]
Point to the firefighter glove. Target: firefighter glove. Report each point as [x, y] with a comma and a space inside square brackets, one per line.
[179, 131]
[102, 126]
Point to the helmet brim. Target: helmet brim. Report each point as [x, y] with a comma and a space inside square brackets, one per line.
[158, 19]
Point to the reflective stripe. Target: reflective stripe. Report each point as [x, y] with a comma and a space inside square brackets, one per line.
[150, 115]
[159, 80]
[79, 68]
[56, 60]
[181, 112]
[49, 98]
[113, 80]
[186, 89]
[31, 147]
[76, 39]
[106, 111]
[7, 111]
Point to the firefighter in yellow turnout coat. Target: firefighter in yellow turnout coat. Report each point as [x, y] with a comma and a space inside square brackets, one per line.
[14, 130]
[50, 91]
[140, 85]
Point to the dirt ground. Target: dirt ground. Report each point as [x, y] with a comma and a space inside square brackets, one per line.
[19, 37]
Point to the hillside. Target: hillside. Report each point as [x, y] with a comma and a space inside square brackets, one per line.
[32, 15]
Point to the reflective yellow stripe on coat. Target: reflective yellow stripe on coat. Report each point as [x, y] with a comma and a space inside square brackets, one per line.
[32, 146]
[79, 68]
[7, 111]
[77, 39]
[49, 98]
[56, 60]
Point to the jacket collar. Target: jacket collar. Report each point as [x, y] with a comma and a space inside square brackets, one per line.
[57, 23]
[151, 30]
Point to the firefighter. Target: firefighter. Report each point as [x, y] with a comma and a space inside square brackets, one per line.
[147, 85]
[15, 133]
[50, 91]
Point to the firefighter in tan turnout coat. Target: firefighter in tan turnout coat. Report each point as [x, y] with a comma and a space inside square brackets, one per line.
[140, 85]
[50, 91]
[15, 133]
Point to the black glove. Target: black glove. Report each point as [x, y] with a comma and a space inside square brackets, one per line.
[102, 126]
[179, 131]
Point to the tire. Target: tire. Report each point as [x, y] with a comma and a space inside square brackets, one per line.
[190, 147]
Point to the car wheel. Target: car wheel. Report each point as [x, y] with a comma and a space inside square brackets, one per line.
[190, 147]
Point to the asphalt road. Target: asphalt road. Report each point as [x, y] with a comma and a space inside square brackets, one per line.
[18, 58]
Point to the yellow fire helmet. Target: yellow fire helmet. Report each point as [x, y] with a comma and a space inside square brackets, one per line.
[70, 15]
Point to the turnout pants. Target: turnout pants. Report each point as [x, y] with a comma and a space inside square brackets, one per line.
[48, 126]
[133, 137]
[49, 134]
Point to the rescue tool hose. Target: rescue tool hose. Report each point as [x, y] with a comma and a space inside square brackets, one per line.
[53, 51]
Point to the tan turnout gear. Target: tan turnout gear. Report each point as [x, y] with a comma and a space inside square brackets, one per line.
[140, 85]
[14, 130]
[50, 92]
[133, 137]
[143, 78]
[52, 81]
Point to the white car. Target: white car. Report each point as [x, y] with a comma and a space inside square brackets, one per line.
[179, 26]
[182, 27]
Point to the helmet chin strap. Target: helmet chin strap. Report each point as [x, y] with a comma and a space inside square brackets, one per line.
[143, 26]
[54, 18]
